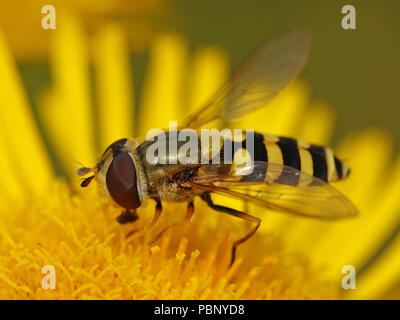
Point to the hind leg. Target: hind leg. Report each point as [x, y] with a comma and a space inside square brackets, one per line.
[207, 198]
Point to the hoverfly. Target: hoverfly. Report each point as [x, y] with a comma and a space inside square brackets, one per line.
[286, 175]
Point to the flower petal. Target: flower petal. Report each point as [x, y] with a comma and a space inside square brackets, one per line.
[163, 93]
[66, 112]
[114, 86]
[22, 142]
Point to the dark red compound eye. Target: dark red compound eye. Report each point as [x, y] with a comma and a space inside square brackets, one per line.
[121, 181]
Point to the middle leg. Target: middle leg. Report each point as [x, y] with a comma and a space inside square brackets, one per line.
[188, 216]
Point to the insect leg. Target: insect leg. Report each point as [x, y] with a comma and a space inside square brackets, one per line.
[156, 214]
[188, 216]
[127, 216]
[207, 198]
[153, 222]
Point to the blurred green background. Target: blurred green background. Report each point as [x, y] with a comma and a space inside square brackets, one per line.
[355, 71]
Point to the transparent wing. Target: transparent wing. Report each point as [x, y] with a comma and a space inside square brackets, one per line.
[257, 80]
[276, 187]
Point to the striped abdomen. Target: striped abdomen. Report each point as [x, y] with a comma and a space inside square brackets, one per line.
[311, 159]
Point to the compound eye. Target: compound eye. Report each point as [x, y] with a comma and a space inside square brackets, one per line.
[121, 181]
[116, 146]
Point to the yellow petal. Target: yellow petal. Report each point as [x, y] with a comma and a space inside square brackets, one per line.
[114, 86]
[367, 154]
[11, 190]
[379, 220]
[22, 142]
[165, 80]
[381, 275]
[318, 124]
[210, 71]
[283, 116]
[340, 242]
[70, 111]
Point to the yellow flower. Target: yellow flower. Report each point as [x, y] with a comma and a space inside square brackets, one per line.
[47, 221]
[21, 21]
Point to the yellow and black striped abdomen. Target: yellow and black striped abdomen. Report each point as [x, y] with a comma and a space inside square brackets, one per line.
[311, 159]
[314, 160]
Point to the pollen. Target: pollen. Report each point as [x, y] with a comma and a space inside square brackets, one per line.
[93, 258]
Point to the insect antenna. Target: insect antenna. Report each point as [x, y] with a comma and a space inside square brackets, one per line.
[86, 181]
[83, 170]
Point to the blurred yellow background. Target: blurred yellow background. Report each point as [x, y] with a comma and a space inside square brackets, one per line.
[355, 71]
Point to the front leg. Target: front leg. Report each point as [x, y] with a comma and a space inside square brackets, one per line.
[157, 213]
[156, 216]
